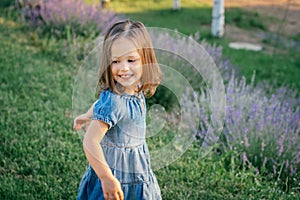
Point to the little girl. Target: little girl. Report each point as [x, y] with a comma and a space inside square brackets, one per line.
[114, 142]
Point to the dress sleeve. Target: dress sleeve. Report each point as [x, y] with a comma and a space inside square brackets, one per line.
[106, 109]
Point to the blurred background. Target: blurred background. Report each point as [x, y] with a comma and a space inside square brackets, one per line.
[43, 43]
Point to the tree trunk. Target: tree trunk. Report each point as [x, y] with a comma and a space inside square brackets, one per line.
[218, 18]
[176, 4]
[105, 3]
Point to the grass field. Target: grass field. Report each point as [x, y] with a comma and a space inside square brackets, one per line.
[42, 157]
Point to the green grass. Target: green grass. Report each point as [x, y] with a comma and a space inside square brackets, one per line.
[38, 149]
[244, 19]
[281, 69]
[191, 18]
[42, 158]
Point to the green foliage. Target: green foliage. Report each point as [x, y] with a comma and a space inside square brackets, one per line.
[282, 69]
[6, 3]
[244, 19]
[296, 37]
[164, 97]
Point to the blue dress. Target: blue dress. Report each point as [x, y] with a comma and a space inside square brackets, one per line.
[124, 147]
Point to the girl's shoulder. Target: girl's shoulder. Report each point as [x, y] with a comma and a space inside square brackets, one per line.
[109, 108]
[112, 107]
[109, 95]
[109, 98]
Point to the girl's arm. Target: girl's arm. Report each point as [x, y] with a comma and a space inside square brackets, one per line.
[82, 119]
[91, 144]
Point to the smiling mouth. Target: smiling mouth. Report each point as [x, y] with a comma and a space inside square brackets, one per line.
[125, 75]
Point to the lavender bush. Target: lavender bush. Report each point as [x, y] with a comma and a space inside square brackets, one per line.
[60, 17]
[263, 128]
[262, 123]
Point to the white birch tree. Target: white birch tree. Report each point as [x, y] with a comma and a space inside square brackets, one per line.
[218, 18]
[176, 4]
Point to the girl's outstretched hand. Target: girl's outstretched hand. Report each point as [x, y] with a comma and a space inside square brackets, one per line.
[81, 120]
[112, 188]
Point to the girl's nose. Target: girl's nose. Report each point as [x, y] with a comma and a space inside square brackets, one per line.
[124, 66]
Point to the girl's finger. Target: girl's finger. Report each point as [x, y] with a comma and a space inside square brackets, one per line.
[75, 127]
[111, 197]
[106, 196]
[115, 196]
[121, 195]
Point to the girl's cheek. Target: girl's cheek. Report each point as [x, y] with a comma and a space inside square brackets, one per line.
[113, 67]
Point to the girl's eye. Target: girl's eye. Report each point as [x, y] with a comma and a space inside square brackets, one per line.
[134, 60]
[115, 61]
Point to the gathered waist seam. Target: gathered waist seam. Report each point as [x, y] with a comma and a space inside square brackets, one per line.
[122, 146]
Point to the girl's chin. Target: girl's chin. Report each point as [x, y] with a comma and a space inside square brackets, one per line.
[129, 88]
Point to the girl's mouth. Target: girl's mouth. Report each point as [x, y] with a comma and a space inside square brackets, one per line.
[125, 76]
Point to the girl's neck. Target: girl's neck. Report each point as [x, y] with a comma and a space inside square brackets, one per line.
[130, 90]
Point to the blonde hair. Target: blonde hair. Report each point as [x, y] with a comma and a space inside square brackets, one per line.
[136, 32]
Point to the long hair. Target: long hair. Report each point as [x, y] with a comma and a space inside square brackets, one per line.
[137, 33]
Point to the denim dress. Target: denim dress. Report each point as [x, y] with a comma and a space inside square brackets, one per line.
[124, 148]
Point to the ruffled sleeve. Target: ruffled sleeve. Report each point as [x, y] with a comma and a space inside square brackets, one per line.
[106, 109]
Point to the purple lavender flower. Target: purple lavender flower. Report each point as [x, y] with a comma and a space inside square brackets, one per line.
[280, 144]
[264, 162]
[263, 125]
[262, 146]
[81, 18]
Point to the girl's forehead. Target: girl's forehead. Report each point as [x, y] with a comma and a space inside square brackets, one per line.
[123, 47]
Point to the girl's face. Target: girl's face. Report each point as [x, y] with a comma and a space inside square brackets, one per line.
[126, 64]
